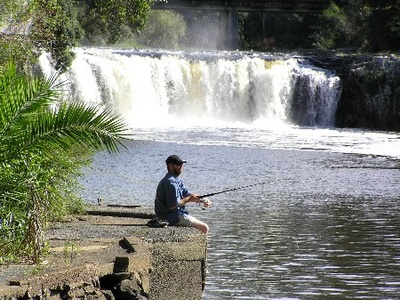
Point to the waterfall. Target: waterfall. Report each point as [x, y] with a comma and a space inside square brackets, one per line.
[159, 88]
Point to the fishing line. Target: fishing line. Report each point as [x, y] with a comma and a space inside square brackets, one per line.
[231, 190]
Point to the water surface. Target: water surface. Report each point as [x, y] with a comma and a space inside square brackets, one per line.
[326, 225]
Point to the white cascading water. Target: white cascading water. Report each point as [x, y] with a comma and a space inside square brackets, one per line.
[153, 88]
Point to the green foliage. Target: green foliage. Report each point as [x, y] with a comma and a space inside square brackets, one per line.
[372, 25]
[271, 31]
[383, 31]
[164, 29]
[109, 19]
[14, 10]
[331, 28]
[16, 48]
[15, 45]
[71, 250]
[40, 25]
[54, 26]
[56, 30]
[43, 146]
[35, 189]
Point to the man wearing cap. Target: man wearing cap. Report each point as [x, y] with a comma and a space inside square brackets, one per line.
[172, 196]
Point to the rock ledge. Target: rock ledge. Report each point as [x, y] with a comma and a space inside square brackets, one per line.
[110, 253]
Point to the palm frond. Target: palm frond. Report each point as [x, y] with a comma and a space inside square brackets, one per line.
[75, 124]
[21, 98]
[27, 121]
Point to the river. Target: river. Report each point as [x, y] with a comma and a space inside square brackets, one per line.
[325, 225]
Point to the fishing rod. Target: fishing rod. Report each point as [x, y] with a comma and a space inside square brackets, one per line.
[231, 190]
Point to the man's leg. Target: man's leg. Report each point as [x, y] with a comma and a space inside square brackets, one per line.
[190, 221]
[200, 225]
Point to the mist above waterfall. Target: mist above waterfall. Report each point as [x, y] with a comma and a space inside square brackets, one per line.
[156, 88]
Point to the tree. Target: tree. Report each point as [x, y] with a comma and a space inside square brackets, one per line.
[372, 25]
[54, 26]
[13, 9]
[108, 19]
[56, 30]
[14, 21]
[383, 32]
[42, 147]
[333, 28]
[40, 25]
[270, 31]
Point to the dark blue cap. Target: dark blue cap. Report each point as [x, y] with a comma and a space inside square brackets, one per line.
[175, 160]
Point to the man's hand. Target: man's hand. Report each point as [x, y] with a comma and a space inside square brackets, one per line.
[193, 198]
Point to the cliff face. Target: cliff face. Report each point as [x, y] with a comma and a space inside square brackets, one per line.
[370, 95]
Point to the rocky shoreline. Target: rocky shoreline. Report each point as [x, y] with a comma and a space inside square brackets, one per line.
[110, 253]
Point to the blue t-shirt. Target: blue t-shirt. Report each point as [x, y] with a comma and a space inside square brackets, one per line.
[170, 191]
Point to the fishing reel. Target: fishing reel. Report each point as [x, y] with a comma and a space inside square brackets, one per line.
[204, 203]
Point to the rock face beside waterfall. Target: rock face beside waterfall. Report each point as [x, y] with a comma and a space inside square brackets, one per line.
[370, 95]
